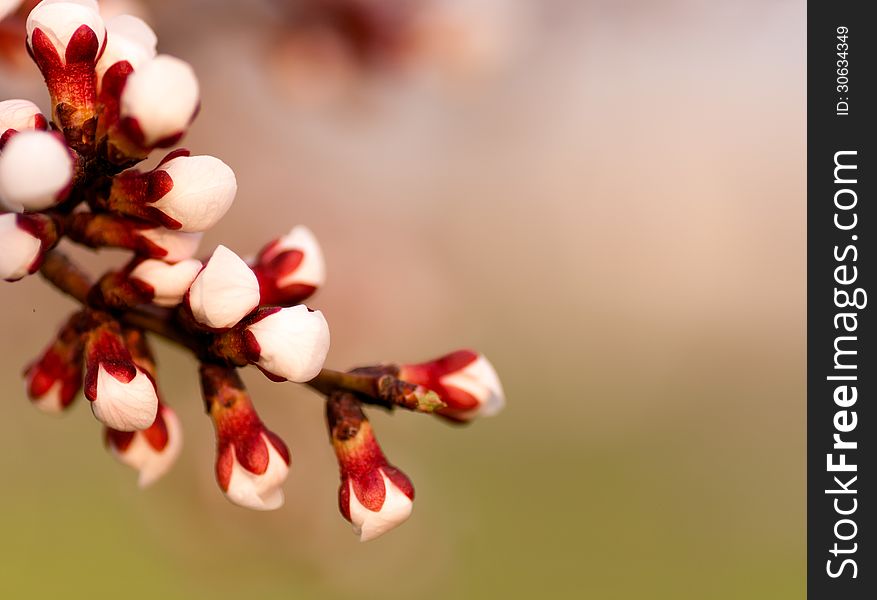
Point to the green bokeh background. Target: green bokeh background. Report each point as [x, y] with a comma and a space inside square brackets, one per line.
[614, 215]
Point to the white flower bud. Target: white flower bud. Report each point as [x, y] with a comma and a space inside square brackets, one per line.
[124, 406]
[162, 97]
[312, 270]
[35, 170]
[293, 342]
[178, 244]
[18, 249]
[204, 188]
[169, 282]
[153, 451]
[479, 380]
[225, 291]
[395, 510]
[59, 20]
[129, 39]
[259, 492]
[20, 115]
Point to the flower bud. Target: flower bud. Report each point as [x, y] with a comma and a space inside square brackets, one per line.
[152, 451]
[251, 461]
[159, 101]
[21, 249]
[122, 394]
[224, 292]
[104, 230]
[288, 343]
[168, 282]
[54, 379]
[19, 115]
[186, 193]
[129, 39]
[464, 380]
[60, 31]
[36, 170]
[291, 268]
[374, 495]
[170, 246]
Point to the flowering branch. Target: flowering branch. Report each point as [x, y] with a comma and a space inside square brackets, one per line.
[114, 100]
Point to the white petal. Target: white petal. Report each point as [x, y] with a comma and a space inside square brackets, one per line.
[259, 492]
[125, 406]
[370, 524]
[59, 20]
[169, 282]
[35, 167]
[129, 39]
[18, 115]
[179, 244]
[479, 379]
[162, 95]
[153, 464]
[18, 248]
[293, 342]
[204, 188]
[312, 270]
[225, 291]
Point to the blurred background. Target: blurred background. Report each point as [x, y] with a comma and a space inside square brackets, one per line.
[607, 198]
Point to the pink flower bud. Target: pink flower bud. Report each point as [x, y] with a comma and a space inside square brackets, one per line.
[168, 282]
[60, 31]
[224, 292]
[122, 394]
[159, 101]
[251, 462]
[36, 170]
[152, 451]
[54, 379]
[291, 268]
[129, 39]
[20, 250]
[374, 495]
[464, 380]
[288, 343]
[19, 115]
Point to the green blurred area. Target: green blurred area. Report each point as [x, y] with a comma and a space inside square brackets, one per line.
[616, 219]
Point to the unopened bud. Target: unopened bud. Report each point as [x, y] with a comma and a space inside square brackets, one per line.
[464, 380]
[36, 170]
[19, 115]
[224, 292]
[290, 268]
[152, 451]
[129, 39]
[24, 239]
[251, 462]
[288, 343]
[54, 379]
[167, 282]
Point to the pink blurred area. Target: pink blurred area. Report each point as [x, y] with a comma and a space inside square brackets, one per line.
[609, 204]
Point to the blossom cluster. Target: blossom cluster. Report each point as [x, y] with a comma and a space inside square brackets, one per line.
[71, 174]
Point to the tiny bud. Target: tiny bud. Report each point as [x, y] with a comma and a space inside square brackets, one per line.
[168, 282]
[159, 101]
[251, 462]
[224, 292]
[54, 379]
[122, 394]
[73, 28]
[19, 115]
[152, 451]
[374, 495]
[290, 343]
[20, 250]
[291, 268]
[464, 380]
[129, 39]
[36, 170]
